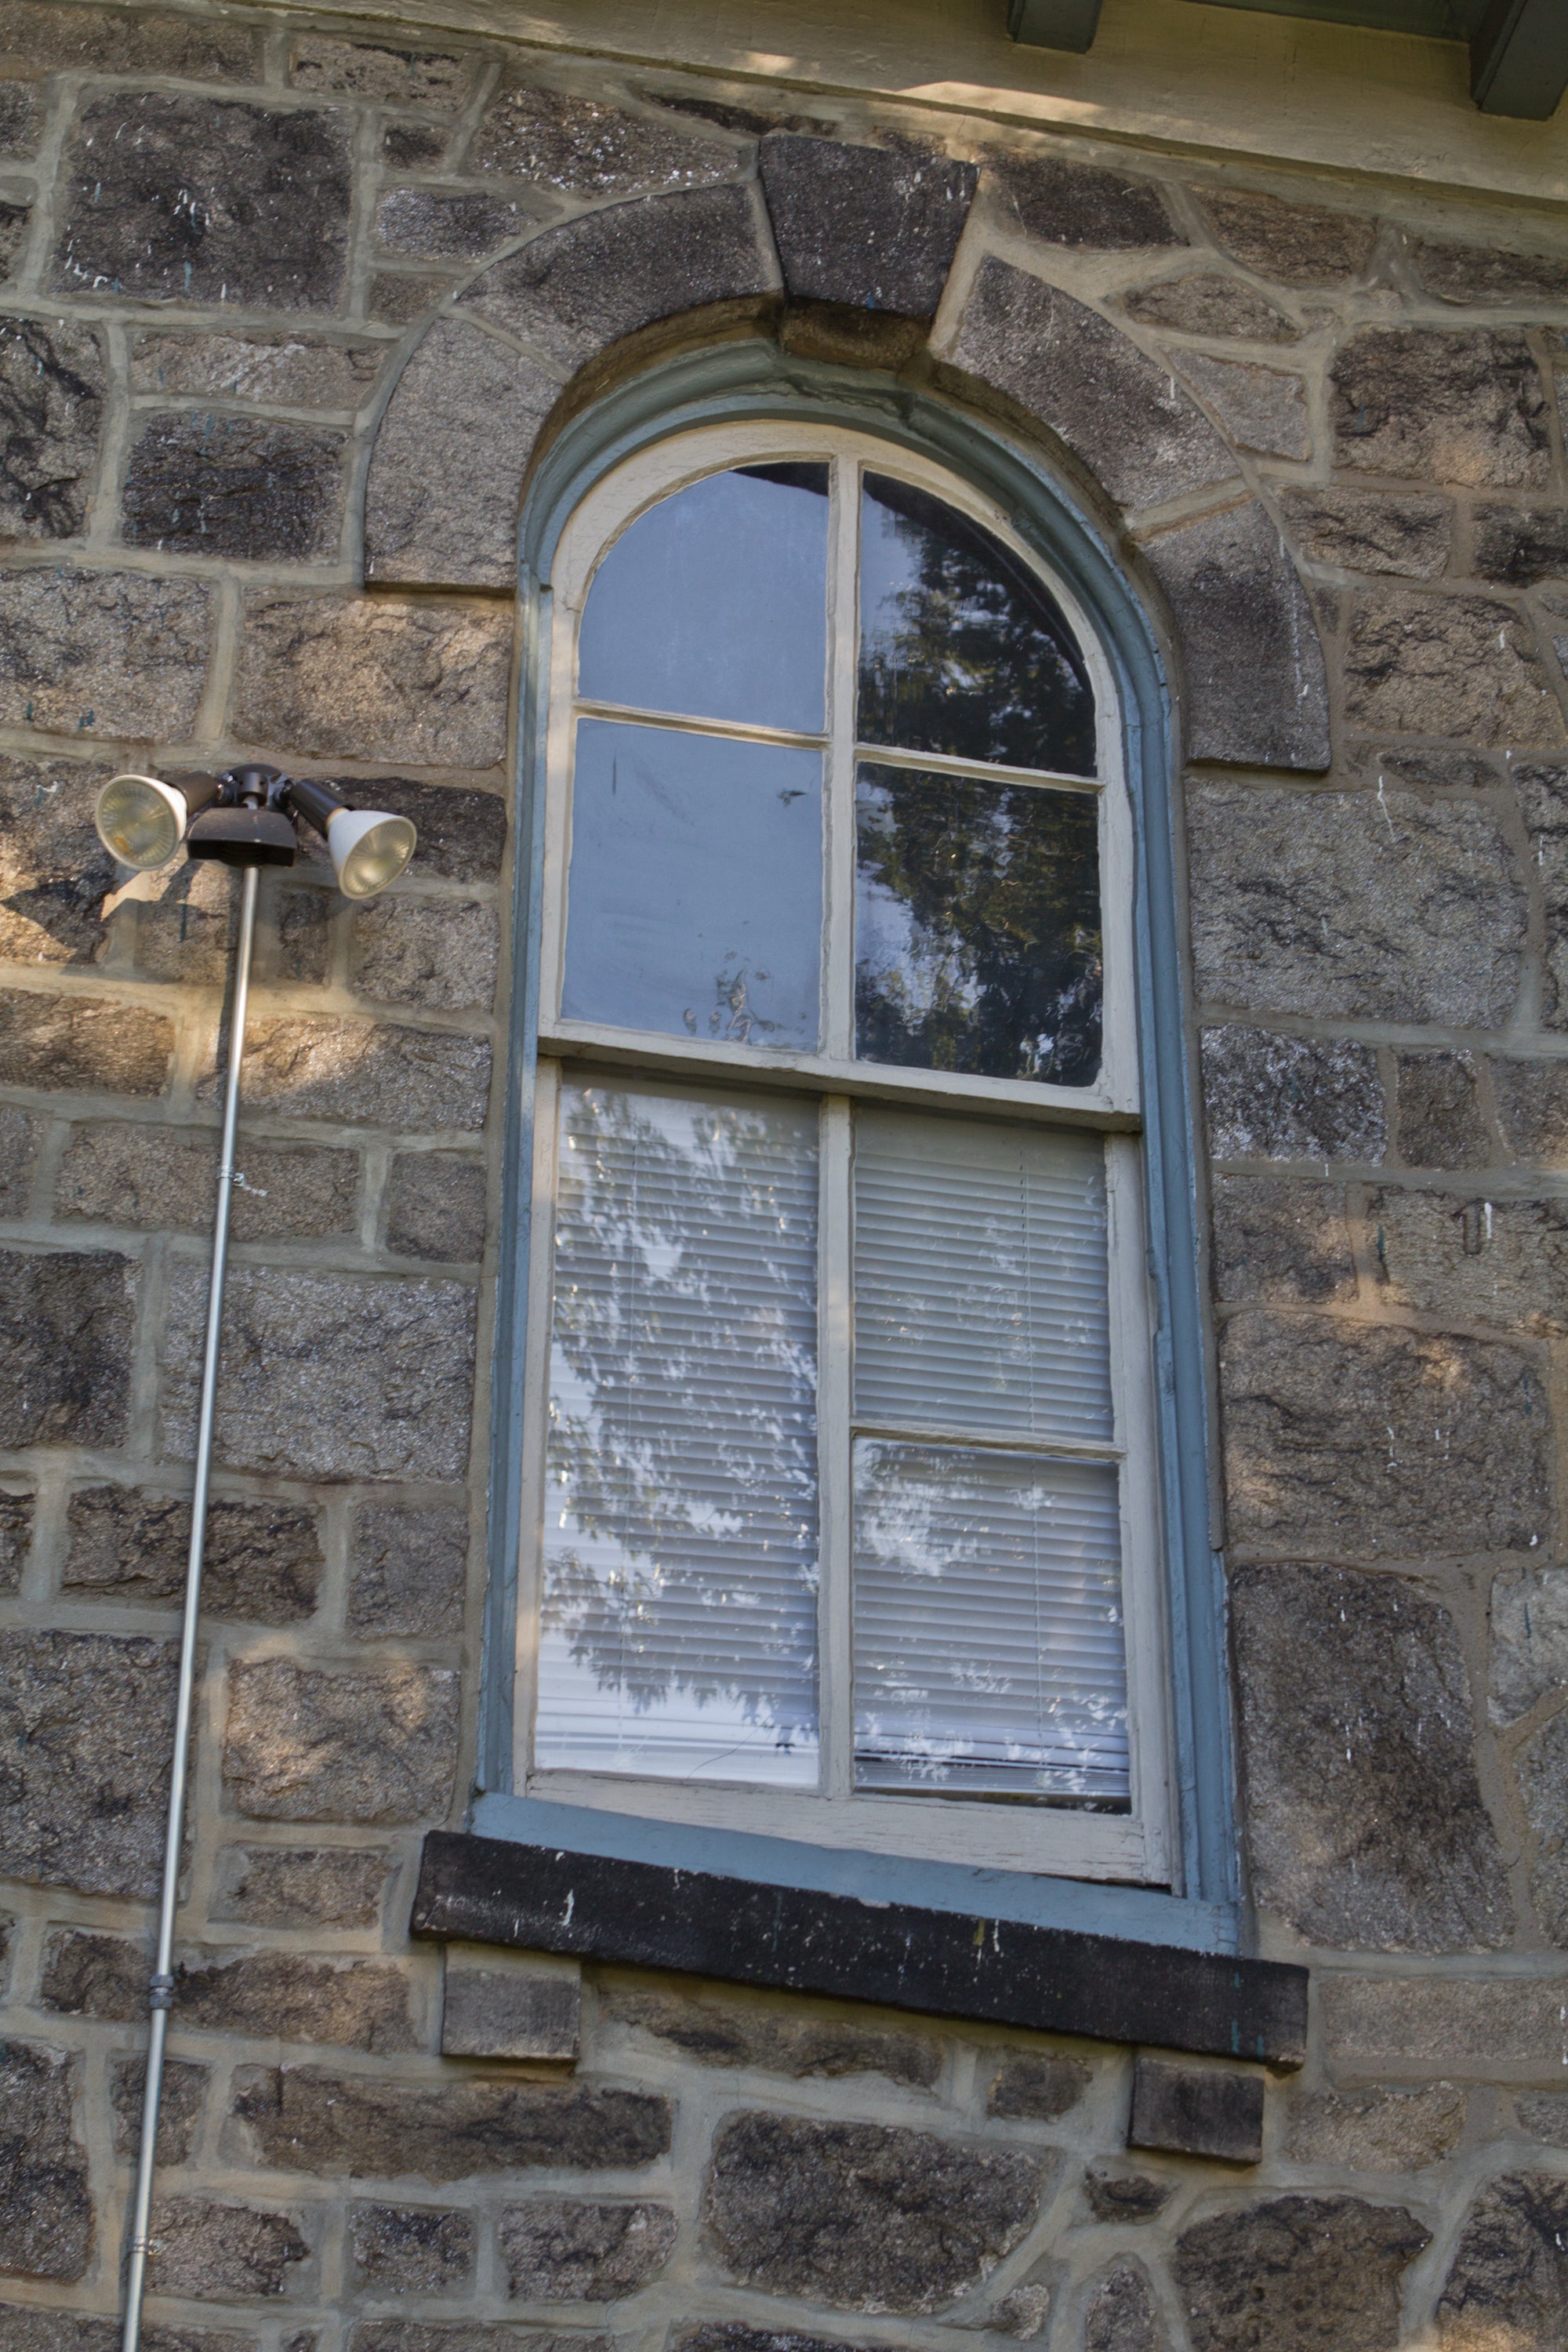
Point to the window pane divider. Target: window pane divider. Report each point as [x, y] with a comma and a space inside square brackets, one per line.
[980, 771]
[835, 1730]
[1048, 1449]
[683, 723]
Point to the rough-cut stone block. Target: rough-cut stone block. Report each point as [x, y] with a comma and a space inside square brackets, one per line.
[51, 402]
[1371, 530]
[734, 2335]
[204, 2249]
[410, 2249]
[1063, 202]
[1126, 419]
[262, 1560]
[865, 2217]
[185, 199]
[1499, 1262]
[1301, 245]
[305, 2120]
[1545, 2117]
[397, 297]
[166, 1178]
[1518, 545]
[1268, 1097]
[1256, 692]
[86, 1721]
[730, 2032]
[438, 953]
[436, 1207]
[54, 870]
[875, 228]
[1543, 1766]
[581, 286]
[304, 1745]
[1037, 2087]
[509, 2005]
[1296, 2274]
[104, 653]
[1123, 2316]
[562, 2249]
[1460, 665]
[375, 679]
[21, 119]
[196, 484]
[1259, 407]
[1507, 2289]
[285, 1996]
[89, 1975]
[1439, 406]
[367, 1073]
[67, 1325]
[1542, 789]
[186, 917]
[1374, 905]
[445, 478]
[1113, 2194]
[301, 1886]
[45, 2213]
[1530, 1639]
[326, 1376]
[388, 76]
[1481, 2028]
[120, 40]
[15, 1533]
[1470, 275]
[1438, 1120]
[1276, 1242]
[71, 1042]
[1376, 2130]
[443, 227]
[407, 1565]
[584, 147]
[180, 2101]
[414, 2335]
[1206, 304]
[1197, 2111]
[462, 833]
[293, 370]
[1532, 1101]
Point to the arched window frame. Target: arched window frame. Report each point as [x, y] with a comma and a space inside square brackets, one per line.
[748, 394]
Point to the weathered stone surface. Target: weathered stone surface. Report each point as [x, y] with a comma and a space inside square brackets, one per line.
[413, 2335]
[1125, 417]
[1474, 274]
[438, 953]
[309, 1744]
[498, 2004]
[1446, 408]
[578, 288]
[436, 1207]
[21, 119]
[1063, 202]
[166, 1178]
[1023, 2311]
[46, 2214]
[1301, 245]
[1206, 304]
[1296, 2274]
[866, 2217]
[733, 2336]
[54, 870]
[873, 227]
[185, 199]
[410, 2249]
[293, 370]
[400, 296]
[446, 475]
[306, 2119]
[185, 2087]
[722, 2033]
[51, 407]
[1259, 407]
[1376, 2130]
[442, 227]
[390, 77]
[1532, 1102]
[414, 146]
[462, 833]
[1275, 1241]
[185, 927]
[202, 2248]
[583, 147]
[104, 653]
[199, 484]
[1371, 530]
[1484, 2027]
[375, 678]
[1499, 1262]
[66, 1324]
[1037, 2087]
[1518, 545]
[1438, 1116]
[1344, 1437]
[562, 2249]
[407, 1570]
[85, 1726]
[1112, 2195]
[301, 1886]
[1507, 2289]
[1378, 905]
[1543, 1766]
[287, 1996]
[73, 1042]
[1256, 688]
[1461, 666]
[15, 1533]
[1196, 2110]
[1365, 1814]
[1268, 1097]
[125, 40]
[367, 1072]
[1545, 2117]
[1530, 1639]
[90, 1975]
[1542, 789]
[1123, 2316]
[263, 1560]
[325, 1375]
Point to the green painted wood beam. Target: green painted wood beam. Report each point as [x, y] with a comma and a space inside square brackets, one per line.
[1519, 58]
[1053, 24]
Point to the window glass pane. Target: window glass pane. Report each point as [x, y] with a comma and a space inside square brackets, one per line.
[679, 1623]
[980, 1278]
[963, 649]
[694, 900]
[988, 1641]
[713, 603]
[977, 942]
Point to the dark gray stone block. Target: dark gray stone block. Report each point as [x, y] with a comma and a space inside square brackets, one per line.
[440, 227]
[1123, 2316]
[86, 1974]
[166, 1179]
[1296, 2274]
[1470, 275]
[1206, 304]
[462, 833]
[409, 1080]
[581, 146]
[1256, 692]
[441, 954]
[375, 677]
[301, 1886]
[1037, 2087]
[202, 2248]
[407, 1567]
[1112, 2195]
[104, 653]
[410, 2249]
[1275, 1098]
[21, 118]
[67, 1325]
[45, 2213]
[285, 1996]
[54, 870]
[263, 1560]
[1508, 2283]
[1196, 2111]
[873, 227]
[234, 486]
[1301, 245]
[1542, 789]
[51, 407]
[1275, 1239]
[85, 1726]
[1371, 530]
[414, 146]
[470, 2336]
[16, 1534]
[304, 1745]
[1437, 1118]
[1519, 545]
[308, 2119]
[563, 2249]
[1064, 203]
[1532, 1102]
[179, 2106]
[1542, 1766]
[509, 2005]
[118, 40]
[1469, 409]
[384, 75]
[436, 1208]
[1420, 663]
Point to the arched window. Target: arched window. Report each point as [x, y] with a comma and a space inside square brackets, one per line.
[840, 1505]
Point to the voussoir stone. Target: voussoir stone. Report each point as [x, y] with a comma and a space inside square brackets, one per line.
[1383, 906]
[203, 2247]
[66, 1328]
[729, 2032]
[1064, 203]
[1507, 2289]
[1207, 304]
[375, 678]
[1276, 1241]
[369, 1072]
[46, 2214]
[872, 227]
[406, 1570]
[1364, 1815]
[581, 146]
[1257, 688]
[301, 1886]
[308, 2119]
[1350, 1437]
[263, 1560]
[104, 653]
[566, 2250]
[307, 1744]
[1371, 530]
[1138, 432]
[1296, 2274]
[51, 408]
[446, 474]
[410, 2249]
[198, 484]
[865, 2217]
[195, 199]
[54, 870]
[1463, 665]
[1500, 1261]
[1377, 2129]
[1275, 1098]
[1467, 408]
[1529, 1639]
[1302, 245]
[85, 1727]
[436, 1207]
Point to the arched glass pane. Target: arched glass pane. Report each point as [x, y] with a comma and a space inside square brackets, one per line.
[714, 604]
[961, 649]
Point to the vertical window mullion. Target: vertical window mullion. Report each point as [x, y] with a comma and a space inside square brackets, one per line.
[834, 1312]
[839, 908]
[536, 1346]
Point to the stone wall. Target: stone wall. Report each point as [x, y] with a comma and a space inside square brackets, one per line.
[225, 235]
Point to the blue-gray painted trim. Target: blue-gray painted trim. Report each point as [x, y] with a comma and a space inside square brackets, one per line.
[752, 378]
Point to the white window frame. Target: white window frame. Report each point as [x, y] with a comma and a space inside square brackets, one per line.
[1046, 1839]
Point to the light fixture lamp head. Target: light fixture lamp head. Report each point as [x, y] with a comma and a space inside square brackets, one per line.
[368, 847]
[247, 817]
[142, 819]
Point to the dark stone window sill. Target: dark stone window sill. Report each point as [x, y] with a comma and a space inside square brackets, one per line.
[544, 1897]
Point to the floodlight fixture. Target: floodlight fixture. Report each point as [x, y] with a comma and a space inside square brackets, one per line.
[247, 817]
[142, 819]
[368, 848]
